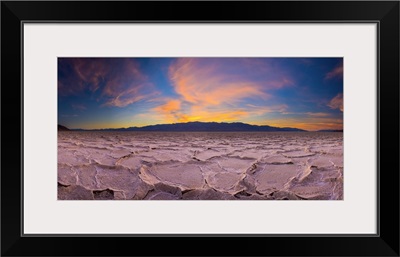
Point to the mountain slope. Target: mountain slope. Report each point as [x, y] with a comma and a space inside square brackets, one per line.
[203, 126]
[62, 128]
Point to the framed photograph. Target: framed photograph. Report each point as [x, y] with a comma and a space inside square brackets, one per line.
[266, 123]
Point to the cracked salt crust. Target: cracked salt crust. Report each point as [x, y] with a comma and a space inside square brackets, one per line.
[200, 166]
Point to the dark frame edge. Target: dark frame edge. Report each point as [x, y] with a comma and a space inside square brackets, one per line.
[22, 127]
[12, 20]
[387, 239]
[389, 44]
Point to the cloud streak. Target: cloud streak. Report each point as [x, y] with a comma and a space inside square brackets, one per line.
[318, 114]
[336, 102]
[210, 89]
[335, 73]
[199, 81]
[116, 82]
[170, 111]
[145, 91]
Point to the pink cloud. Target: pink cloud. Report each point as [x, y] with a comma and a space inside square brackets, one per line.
[91, 71]
[129, 96]
[337, 102]
[126, 84]
[284, 82]
[82, 74]
[335, 73]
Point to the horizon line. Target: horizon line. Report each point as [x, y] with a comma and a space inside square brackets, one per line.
[198, 122]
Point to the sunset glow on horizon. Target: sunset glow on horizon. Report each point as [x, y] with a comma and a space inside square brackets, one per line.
[98, 93]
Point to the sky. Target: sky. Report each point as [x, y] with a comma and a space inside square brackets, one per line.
[305, 93]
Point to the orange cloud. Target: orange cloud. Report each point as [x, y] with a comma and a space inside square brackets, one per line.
[217, 116]
[170, 106]
[335, 73]
[337, 102]
[207, 85]
[211, 90]
[170, 110]
[318, 114]
[173, 111]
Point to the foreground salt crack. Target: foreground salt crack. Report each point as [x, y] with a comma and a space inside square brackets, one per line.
[200, 166]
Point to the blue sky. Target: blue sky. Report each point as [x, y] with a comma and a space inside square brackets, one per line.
[304, 93]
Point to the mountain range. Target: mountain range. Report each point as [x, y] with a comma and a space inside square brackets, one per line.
[197, 127]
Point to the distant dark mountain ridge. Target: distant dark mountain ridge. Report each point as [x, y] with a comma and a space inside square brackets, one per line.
[330, 130]
[203, 127]
[62, 128]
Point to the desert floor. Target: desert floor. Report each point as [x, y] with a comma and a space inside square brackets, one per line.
[200, 165]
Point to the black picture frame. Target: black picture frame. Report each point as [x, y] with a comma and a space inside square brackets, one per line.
[383, 13]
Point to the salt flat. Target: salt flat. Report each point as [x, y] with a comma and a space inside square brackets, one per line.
[200, 165]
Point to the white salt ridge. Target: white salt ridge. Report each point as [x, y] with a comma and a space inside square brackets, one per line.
[233, 164]
[276, 159]
[275, 177]
[206, 154]
[185, 176]
[296, 154]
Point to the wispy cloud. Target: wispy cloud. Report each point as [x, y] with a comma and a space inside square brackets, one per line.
[117, 82]
[91, 71]
[335, 73]
[260, 110]
[129, 95]
[171, 110]
[216, 89]
[318, 114]
[76, 75]
[126, 84]
[166, 90]
[69, 115]
[204, 82]
[337, 102]
[80, 107]
[153, 117]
